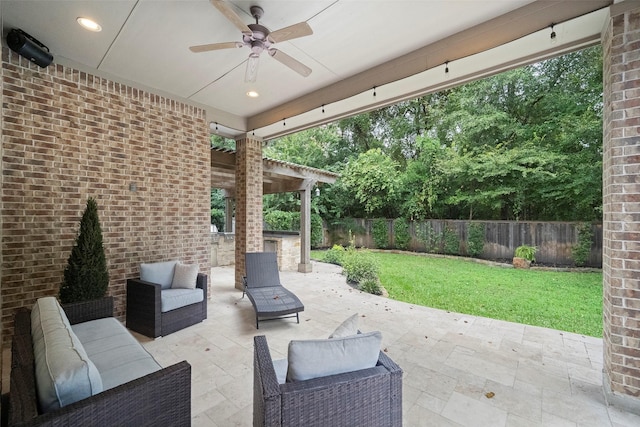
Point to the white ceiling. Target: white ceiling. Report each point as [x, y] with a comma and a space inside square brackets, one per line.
[399, 46]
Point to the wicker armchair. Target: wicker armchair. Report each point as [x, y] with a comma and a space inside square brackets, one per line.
[368, 397]
[144, 314]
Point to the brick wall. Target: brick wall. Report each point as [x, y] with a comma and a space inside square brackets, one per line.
[68, 135]
[621, 209]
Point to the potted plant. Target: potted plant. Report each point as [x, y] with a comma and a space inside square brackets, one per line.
[524, 256]
[86, 276]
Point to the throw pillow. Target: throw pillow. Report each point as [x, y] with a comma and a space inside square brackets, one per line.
[185, 276]
[319, 358]
[346, 328]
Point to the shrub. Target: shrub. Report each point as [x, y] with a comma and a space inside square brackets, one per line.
[316, 230]
[580, 252]
[218, 206]
[86, 276]
[358, 266]
[370, 286]
[290, 221]
[338, 227]
[380, 233]
[428, 238]
[527, 252]
[217, 218]
[334, 255]
[282, 221]
[401, 232]
[451, 241]
[475, 242]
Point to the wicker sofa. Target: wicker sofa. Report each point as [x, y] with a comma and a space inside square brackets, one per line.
[162, 397]
[366, 397]
[146, 312]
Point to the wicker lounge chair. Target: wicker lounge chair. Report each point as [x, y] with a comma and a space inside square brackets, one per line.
[368, 397]
[262, 285]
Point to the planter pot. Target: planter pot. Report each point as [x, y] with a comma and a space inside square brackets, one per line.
[79, 312]
[521, 263]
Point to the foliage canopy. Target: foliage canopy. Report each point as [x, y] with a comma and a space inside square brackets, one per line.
[522, 145]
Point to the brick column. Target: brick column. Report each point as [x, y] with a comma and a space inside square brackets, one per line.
[248, 201]
[621, 207]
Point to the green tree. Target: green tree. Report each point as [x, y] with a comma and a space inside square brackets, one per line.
[218, 207]
[500, 183]
[373, 180]
[319, 147]
[86, 276]
[423, 184]
[359, 133]
[554, 108]
[524, 144]
[218, 141]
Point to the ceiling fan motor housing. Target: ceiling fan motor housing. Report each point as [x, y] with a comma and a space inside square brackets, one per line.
[257, 41]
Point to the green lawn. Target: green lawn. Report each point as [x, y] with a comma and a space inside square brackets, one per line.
[568, 301]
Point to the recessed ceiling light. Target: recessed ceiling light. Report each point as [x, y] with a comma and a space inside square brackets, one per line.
[253, 94]
[89, 24]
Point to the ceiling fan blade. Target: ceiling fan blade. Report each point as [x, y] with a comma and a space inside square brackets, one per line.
[214, 46]
[231, 15]
[294, 64]
[300, 29]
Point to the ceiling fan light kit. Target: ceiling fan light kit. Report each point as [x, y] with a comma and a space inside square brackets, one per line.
[251, 73]
[258, 38]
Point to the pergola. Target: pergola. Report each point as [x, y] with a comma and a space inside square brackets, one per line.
[278, 177]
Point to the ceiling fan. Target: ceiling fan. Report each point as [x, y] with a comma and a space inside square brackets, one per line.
[258, 38]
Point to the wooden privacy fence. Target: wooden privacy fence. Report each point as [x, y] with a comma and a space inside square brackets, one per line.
[554, 240]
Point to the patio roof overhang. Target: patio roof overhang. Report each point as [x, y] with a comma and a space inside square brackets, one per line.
[278, 176]
[397, 47]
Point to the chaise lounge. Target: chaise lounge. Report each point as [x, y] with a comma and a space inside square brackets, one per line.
[262, 285]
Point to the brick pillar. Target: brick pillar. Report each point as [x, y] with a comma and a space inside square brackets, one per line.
[621, 207]
[248, 201]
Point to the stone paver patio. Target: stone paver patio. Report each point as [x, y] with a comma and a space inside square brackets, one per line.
[451, 362]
